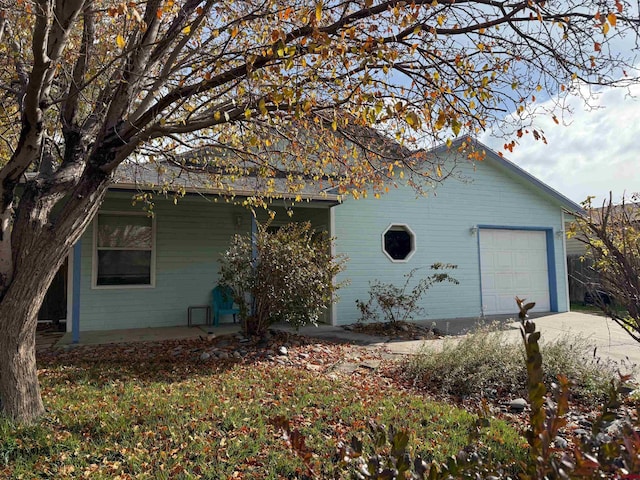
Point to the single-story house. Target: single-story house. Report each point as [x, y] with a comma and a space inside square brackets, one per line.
[501, 226]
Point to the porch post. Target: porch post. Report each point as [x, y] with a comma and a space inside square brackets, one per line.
[254, 239]
[75, 308]
[333, 312]
[254, 251]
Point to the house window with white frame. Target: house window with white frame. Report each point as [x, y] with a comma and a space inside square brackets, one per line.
[124, 250]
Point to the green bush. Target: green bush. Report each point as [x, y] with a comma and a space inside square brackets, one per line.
[486, 363]
[290, 280]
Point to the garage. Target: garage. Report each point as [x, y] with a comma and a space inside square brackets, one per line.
[513, 263]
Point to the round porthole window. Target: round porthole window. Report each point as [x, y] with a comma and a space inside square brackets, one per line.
[398, 242]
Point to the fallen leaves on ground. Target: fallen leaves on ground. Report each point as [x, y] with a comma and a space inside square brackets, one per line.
[200, 408]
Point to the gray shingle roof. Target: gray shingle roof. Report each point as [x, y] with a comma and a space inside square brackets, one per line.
[164, 176]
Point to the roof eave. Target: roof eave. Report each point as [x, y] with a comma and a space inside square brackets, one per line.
[326, 198]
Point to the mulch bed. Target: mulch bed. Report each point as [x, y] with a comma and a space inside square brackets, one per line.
[396, 330]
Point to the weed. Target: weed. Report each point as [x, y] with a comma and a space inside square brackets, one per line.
[487, 363]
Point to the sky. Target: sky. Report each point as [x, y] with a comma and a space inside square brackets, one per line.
[594, 150]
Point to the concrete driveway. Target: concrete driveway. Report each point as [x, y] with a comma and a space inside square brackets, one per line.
[609, 339]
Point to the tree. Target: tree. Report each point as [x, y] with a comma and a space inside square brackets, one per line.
[611, 235]
[86, 84]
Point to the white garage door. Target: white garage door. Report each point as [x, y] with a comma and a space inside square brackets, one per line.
[513, 263]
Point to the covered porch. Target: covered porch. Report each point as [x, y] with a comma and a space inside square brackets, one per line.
[130, 272]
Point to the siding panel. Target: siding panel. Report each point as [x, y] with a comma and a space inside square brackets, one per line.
[442, 222]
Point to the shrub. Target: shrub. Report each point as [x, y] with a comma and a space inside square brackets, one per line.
[399, 304]
[487, 363]
[611, 235]
[291, 278]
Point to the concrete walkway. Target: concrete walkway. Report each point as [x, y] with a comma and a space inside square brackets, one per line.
[608, 339]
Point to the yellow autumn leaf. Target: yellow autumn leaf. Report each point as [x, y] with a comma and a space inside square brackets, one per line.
[120, 41]
[605, 28]
[611, 18]
[455, 126]
[439, 170]
[318, 12]
[441, 19]
[187, 30]
[412, 120]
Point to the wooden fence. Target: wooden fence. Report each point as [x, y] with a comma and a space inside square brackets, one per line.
[580, 274]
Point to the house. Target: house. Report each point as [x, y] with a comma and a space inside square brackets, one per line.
[502, 227]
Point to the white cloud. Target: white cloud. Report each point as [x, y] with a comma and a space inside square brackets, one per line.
[598, 152]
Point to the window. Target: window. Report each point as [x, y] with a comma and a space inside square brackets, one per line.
[398, 242]
[124, 250]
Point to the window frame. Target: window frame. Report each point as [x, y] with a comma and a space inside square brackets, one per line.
[412, 235]
[94, 265]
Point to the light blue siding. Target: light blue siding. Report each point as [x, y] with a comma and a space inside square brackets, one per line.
[190, 237]
[442, 223]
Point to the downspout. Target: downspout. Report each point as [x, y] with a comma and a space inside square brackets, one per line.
[254, 253]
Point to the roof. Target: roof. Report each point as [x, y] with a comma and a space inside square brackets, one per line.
[495, 158]
[132, 175]
[195, 178]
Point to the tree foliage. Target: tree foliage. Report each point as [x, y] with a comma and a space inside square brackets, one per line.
[256, 87]
[286, 275]
[611, 235]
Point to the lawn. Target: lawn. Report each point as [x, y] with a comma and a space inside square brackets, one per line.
[581, 307]
[159, 411]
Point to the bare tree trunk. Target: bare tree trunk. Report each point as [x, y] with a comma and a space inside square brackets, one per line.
[19, 388]
[40, 244]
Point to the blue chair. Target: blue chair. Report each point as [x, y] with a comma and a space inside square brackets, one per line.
[223, 303]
